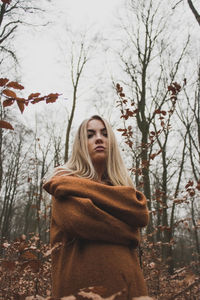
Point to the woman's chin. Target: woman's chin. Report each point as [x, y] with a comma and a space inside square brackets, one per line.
[99, 158]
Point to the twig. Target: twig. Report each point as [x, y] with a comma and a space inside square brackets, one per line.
[177, 4]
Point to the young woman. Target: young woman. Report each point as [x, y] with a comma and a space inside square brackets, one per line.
[96, 218]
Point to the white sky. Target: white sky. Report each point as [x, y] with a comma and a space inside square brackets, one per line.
[42, 68]
[39, 57]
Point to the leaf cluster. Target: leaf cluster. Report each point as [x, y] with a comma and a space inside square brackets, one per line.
[9, 97]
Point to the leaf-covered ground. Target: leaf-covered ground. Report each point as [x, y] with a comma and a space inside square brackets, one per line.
[25, 274]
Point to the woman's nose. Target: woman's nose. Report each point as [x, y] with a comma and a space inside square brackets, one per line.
[98, 138]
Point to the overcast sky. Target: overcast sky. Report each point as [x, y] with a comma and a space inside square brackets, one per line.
[42, 67]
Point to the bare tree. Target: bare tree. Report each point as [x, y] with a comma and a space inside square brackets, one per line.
[148, 107]
[12, 16]
[142, 40]
[77, 67]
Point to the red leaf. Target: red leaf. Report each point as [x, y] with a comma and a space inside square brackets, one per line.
[9, 93]
[15, 85]
[20, 105]
[52, 98]
[3, 81]
[163, 112]
[8, 265]
[36, 100]
[190, 183]
[198, 186]
[6, 1]
[120, 129]
[191, 192]
[8, 102]
[33, 95]
[6, 125]
[122, 95]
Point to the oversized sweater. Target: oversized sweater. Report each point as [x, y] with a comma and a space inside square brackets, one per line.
[97, 227]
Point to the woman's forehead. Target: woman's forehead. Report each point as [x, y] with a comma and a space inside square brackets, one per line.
[95, 124]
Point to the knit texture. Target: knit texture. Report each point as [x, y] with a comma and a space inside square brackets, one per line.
[97, 226]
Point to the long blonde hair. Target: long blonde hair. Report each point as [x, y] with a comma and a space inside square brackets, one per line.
[80, 164]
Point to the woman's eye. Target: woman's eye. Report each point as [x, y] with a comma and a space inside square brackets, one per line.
[105, 134]
[89, 136]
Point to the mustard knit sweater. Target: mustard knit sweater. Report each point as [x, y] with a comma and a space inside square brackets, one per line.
[97, 227]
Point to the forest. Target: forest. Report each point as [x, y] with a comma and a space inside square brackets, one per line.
[144, 77]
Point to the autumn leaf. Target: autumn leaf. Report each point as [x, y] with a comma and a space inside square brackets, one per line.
[190, 183]
[15, 85]
[38, 99]
[33, 95]
[152, 132]
[52, 98]
[198, 186]
[163, 112]
[28, 255]
[8, 265]
[20, 105]
[3, 81]
[9, 93]
[8, 102]
[122, 95]
[6, 1]
[152, 156]
[6, 125]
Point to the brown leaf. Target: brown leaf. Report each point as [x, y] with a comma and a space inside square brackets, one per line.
[6, 1]
[190, 183]
[152, 132]
[9, 93]
[8, 265]
[157, 111]
[34, 265]
[33, 95]
[6, 125]
[15, 85]
[20, 105]
[52, 98]
[28, 255]
[36, 100]
[3, 81]
[163, 112]
[198, 186]
[8, 102]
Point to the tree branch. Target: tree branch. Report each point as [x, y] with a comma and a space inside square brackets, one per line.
[195, 12]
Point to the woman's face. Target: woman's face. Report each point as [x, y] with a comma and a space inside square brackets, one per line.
[97, 141]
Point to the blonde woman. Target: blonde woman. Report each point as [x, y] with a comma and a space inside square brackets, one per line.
[96, 217]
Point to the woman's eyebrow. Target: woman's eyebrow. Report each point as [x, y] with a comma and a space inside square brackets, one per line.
[92, 130]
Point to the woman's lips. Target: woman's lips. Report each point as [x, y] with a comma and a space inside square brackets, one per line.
[99, 148]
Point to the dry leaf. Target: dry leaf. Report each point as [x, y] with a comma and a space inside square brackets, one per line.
[6, 125]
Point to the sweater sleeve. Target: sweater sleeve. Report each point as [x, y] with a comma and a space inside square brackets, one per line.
[82, 219]
[122, 202]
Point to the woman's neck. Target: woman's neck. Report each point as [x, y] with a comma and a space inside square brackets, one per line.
[100, 170]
